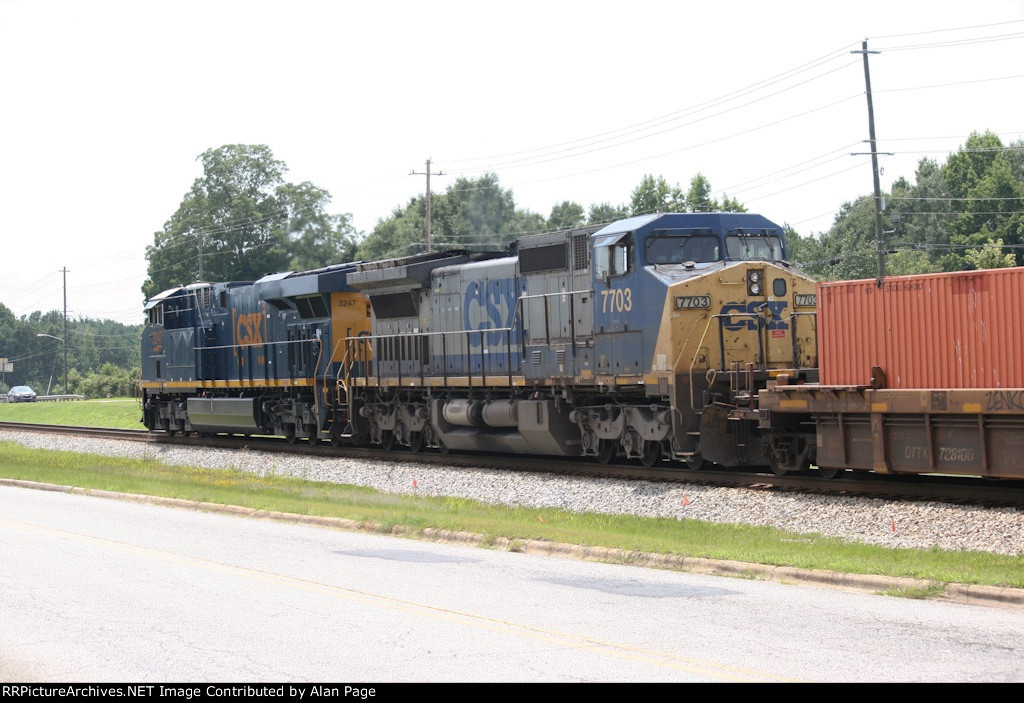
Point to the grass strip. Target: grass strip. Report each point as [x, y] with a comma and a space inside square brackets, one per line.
[744, 543]
[118, 413]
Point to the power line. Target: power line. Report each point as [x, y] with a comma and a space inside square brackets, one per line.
[949, 29]
[956, 42]
[580, 151]
[678, 114]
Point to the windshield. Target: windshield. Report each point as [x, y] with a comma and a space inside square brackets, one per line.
[748, 247]
[678, 250]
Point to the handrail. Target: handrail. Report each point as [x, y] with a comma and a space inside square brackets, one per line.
[516, 324]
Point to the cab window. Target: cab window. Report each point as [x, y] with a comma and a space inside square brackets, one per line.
[678, 250]
[614, 259]
[746, 247]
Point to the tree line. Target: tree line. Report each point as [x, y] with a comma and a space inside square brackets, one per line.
[104, 357]
[241, 219]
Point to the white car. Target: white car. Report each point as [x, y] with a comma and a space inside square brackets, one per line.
[21, 394]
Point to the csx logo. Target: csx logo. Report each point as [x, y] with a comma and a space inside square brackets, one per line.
[490, 306]
[248, 328]
[757, 314]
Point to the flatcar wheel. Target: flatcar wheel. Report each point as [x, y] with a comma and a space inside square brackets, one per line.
[651, 453]
[443, 448]
[696, 462]
[830, 472]
[170, 432]
[387, 440]
[606, 450]
[416, 441]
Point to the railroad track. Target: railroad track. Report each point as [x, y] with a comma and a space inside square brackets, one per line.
[947, 489]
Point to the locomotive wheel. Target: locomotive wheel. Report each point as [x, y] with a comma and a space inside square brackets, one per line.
[651, 453]
[443, 448]
[416, 442]
[606, 450]
[387, 440]
[314, 439]
[290, 438]
[778, 468]
[335, 440]
[781, 469]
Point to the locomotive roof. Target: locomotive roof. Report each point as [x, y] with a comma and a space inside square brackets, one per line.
[721, 222]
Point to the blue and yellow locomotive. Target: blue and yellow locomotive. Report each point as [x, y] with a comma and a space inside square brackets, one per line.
[648, 338]
[250, 358]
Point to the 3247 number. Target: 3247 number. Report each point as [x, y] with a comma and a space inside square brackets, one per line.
[617, 300]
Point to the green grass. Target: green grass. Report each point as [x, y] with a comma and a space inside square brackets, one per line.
[681, 537]
[121, 413]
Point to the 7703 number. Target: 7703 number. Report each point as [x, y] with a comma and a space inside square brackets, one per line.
[617, 300]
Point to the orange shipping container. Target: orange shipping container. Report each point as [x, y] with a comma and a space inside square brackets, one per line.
[938, 330]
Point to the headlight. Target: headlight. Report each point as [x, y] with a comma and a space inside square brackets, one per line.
[754, 279]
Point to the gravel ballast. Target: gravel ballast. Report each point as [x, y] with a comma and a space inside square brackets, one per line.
[884, 522]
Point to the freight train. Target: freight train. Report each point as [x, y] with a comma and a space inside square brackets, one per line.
[675, 339]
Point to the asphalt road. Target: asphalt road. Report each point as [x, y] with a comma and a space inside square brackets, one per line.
[102, 590]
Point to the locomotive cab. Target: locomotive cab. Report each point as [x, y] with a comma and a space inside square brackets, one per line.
[693, 314]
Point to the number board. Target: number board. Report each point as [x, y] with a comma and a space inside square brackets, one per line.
[692, 302]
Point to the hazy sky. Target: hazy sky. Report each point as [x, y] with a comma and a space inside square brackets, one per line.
[106, 106]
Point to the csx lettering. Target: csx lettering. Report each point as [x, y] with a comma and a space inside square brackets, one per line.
[490, 306]
[752, 316]
[1004, 400]
[617, 300]
[248, 329]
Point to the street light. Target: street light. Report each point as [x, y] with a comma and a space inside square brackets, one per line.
[65, 359]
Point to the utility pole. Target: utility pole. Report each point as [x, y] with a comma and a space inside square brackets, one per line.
[200, 239]
[65, 272]
[427, 174]
[874, 164]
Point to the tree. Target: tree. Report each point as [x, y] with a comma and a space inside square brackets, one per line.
[241, 220]
[698, 197]
[473, 214]
[990, 256]
[604, 213]
[653, 195]
[566, 215]
[985, 179]
[656, 195]
[316, 238]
